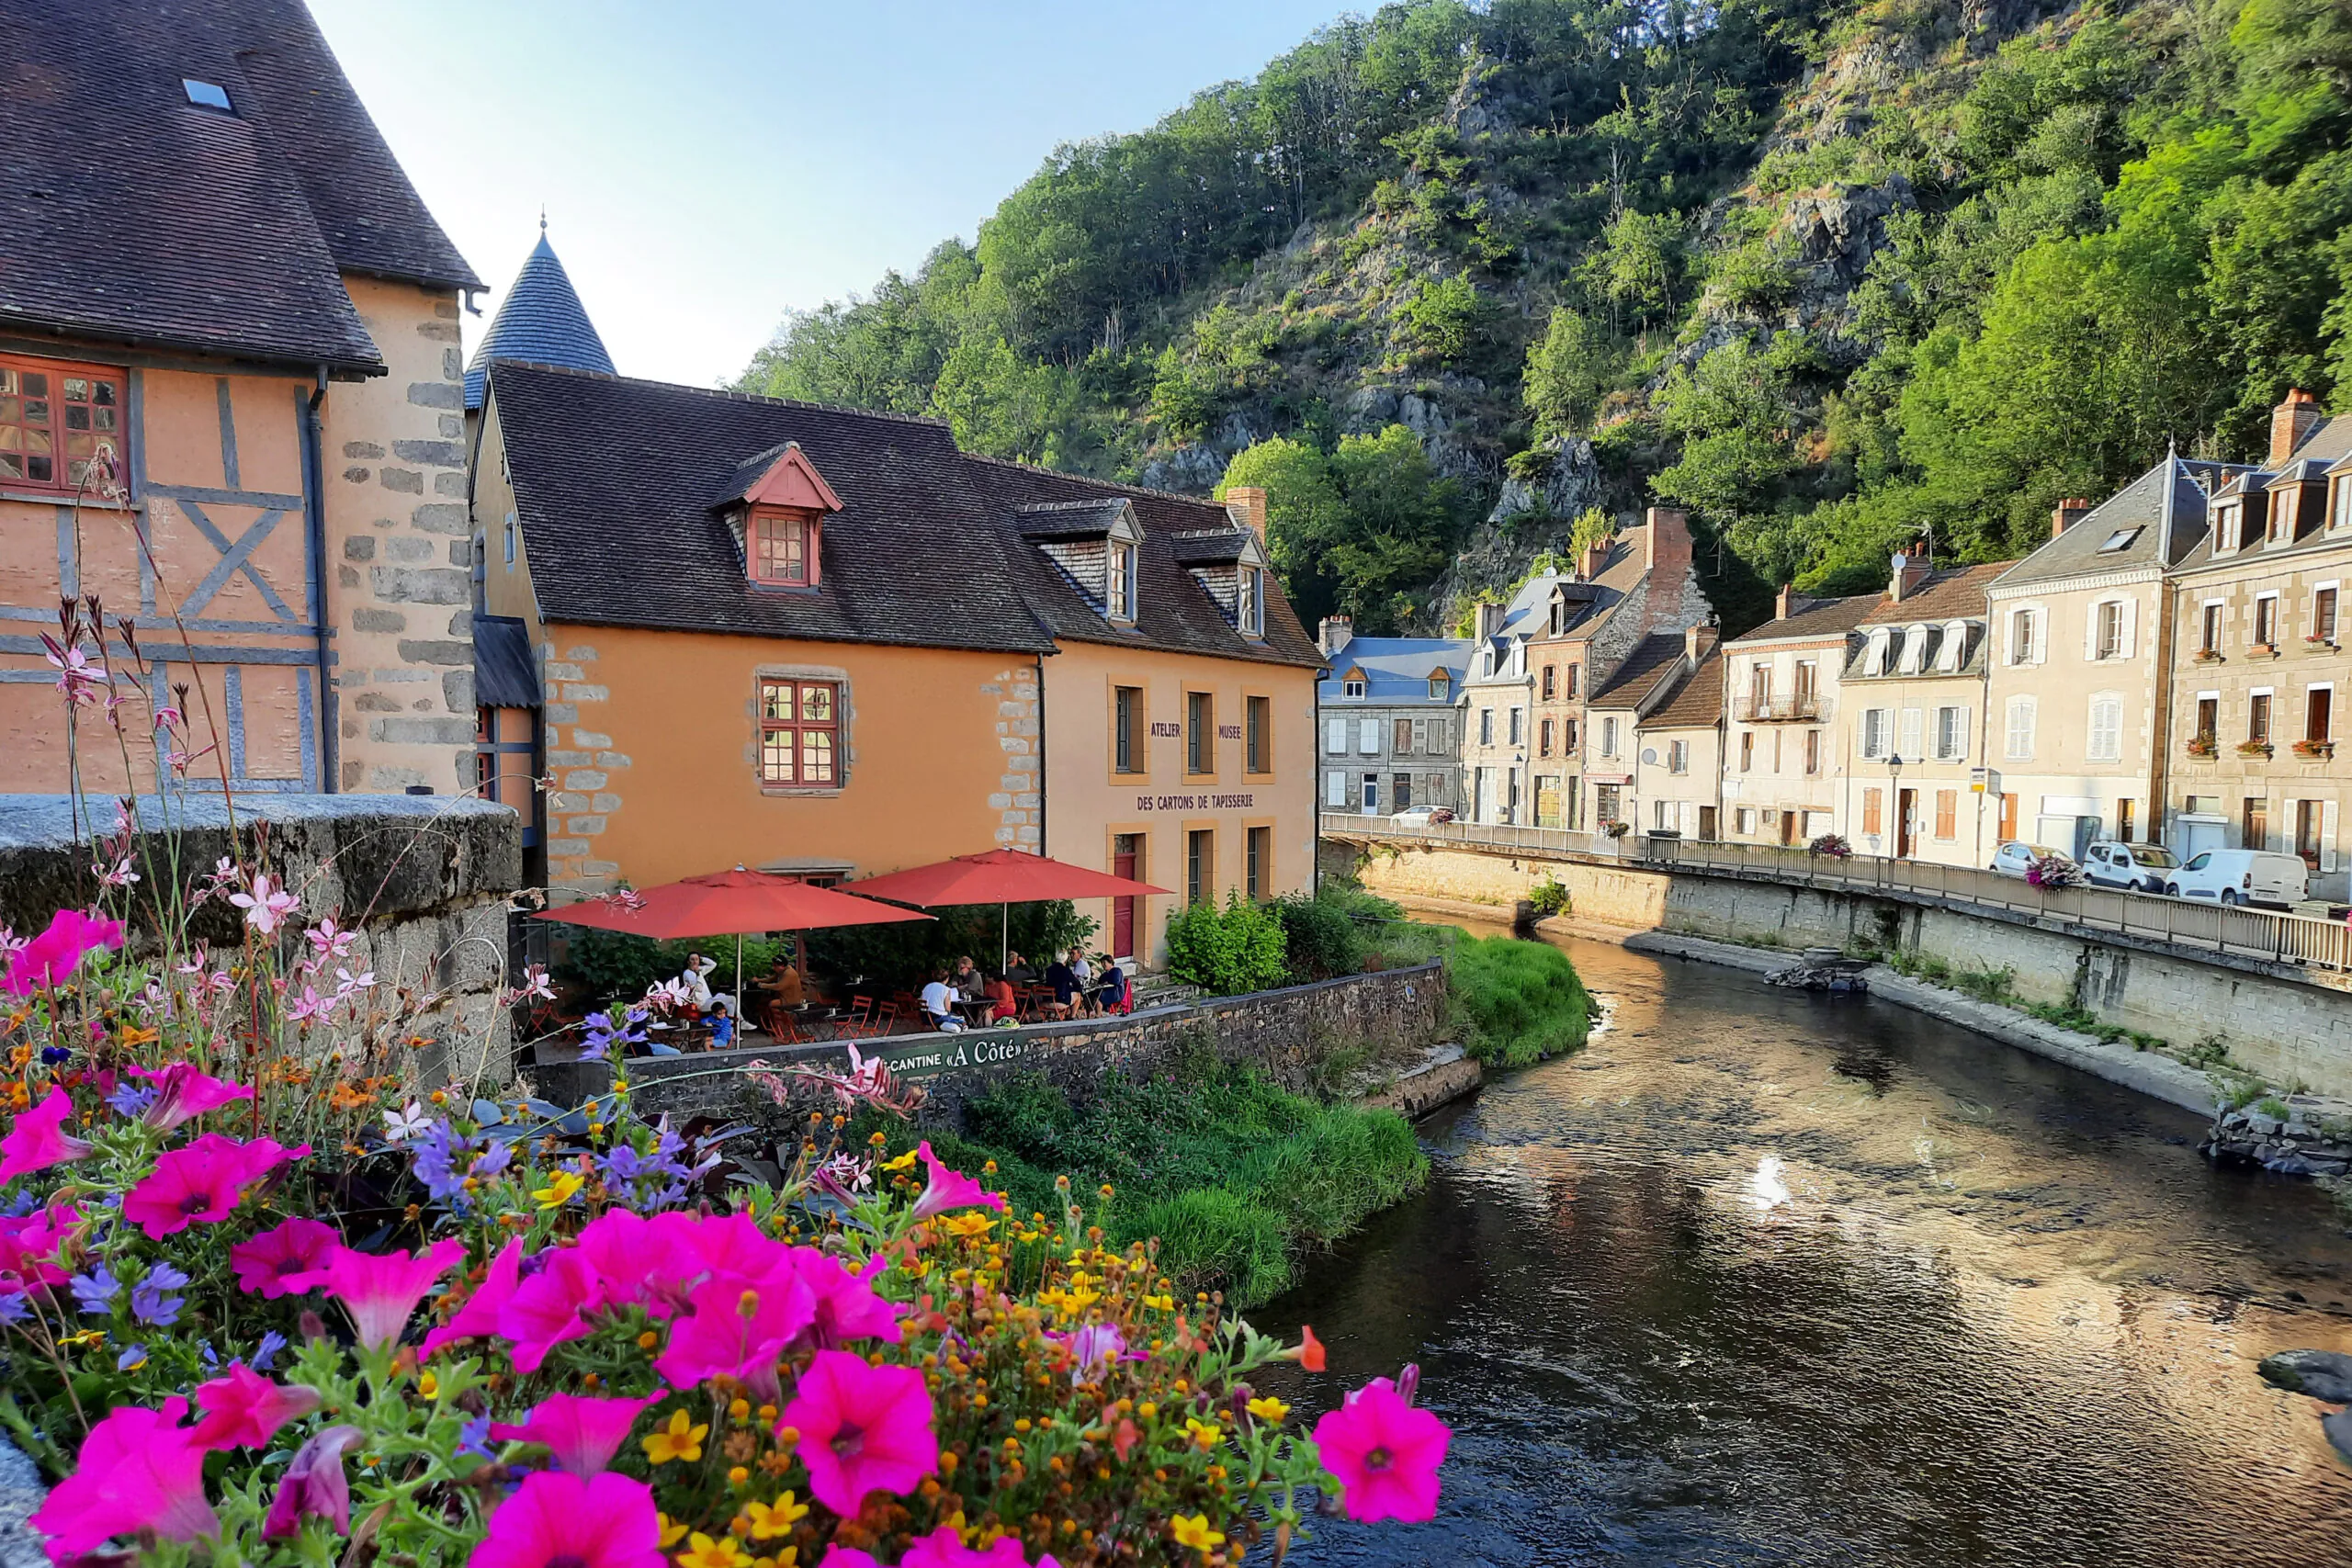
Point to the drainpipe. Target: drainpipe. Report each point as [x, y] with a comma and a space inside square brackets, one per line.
[1315, 793]
[314, 508]
[2160, 765]
[1042, 763]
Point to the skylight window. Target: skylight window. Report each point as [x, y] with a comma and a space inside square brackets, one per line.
[2119, 540]
[206, 95]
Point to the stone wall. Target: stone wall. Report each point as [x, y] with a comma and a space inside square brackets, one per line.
[1288, 1033]
[424, 881]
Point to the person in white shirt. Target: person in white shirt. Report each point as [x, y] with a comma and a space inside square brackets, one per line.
[696, 981]
[939, 1004]
[1080, 967]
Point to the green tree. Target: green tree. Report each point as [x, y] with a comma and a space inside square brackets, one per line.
[1569, 370]
[997, 406]
[1637, 266]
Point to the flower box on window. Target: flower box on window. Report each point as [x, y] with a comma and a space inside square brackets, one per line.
[2255, 748]
[2314, 748]
[2208, 656]
[2264, 651]
[2202, 745]
[2315, 643]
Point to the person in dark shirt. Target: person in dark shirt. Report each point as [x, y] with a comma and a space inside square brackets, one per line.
[1111, 996]
[1067, 989]
[1019, 970]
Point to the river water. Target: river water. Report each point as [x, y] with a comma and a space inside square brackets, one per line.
[1767, 1278]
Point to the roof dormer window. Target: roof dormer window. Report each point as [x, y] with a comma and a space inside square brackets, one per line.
[206, 95]
[1954, 646]
[1251, 603]
[1354, 687]
[784, 549]
[2227, 520]
[1441, 686]
[1119, 581]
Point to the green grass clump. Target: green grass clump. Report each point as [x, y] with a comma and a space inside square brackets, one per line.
[1233, 1174]
[1518, 1001]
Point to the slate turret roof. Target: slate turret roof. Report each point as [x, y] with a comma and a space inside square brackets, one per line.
[130, 213]
[540, 320]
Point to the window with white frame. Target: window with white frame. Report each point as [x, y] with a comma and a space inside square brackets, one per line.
[2266, 620]
[1952, 734]
[2105, 740]
[1678, 756]
[2228, 518]
[1608, 737]
[1368, 736]
[2019, 746]
[1874, 657]
[2341, 514]
[1334, 737]
[1334, 788]
[1908, 741]
[2107, 635]
[2025, 642]
[1954, 646]
[1874, 723]
[1119, 581]
[1915, 650]
[1252, 602]
[1354, 688]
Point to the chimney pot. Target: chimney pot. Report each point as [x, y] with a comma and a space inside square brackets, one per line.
[2067, 513]
[1246, 505]
[1335, 633]
[1784, 601]
[1695, 641]
[1910, 569]
[2291, 423]
[1490, 619]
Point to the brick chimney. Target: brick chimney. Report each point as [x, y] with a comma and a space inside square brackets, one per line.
[2068, 512]
[1335, 633]
[1784, 601]
[1595, 556]
[1910, 569]
[1490, 619]
[1697, 642]
[1246, 504]
[2290, 421]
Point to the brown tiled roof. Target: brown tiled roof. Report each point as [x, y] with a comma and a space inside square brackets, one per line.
[1816, 617]
[130, 215]
[1172, 610]
[1647, 663]
[1954, 593]
[1699, 702]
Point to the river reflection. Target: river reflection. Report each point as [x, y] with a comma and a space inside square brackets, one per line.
[1761, 1277]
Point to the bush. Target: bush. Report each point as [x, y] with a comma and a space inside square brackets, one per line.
[1228, 952]
[1320, 937]
[1549, 896]
[1520, 1001]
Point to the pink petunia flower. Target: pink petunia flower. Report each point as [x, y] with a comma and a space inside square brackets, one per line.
[40, 1140]
[943, 1548]
[50, 958]
[244, 1409]
[314, 1483]
[478, 1319]
[845, 1306]
[550, 1308]
[138, 1470]
[30, 1246]
[949, 1189]
[640, 1259]
[737, 1329]
[380, 1289]
[581, 1434]
[863, 1428]
[838, 1556]
[284, 1261]
[555, 1519]
[1385, 1454]
[183, 1093]
[266, 906]
[200, 1182]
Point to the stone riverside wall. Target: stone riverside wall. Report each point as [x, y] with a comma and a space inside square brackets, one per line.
[2275, 1021]
[1289, 1034]
[423, 880]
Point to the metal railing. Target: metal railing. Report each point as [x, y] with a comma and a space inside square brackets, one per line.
[1779, 708]
[2301, 941]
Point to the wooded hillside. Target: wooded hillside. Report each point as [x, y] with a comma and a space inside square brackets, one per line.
[1457, 281]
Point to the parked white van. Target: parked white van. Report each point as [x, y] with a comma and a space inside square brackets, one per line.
[2242, 877]
[2143, 868]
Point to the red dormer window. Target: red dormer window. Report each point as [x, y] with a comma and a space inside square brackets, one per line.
[784, 548]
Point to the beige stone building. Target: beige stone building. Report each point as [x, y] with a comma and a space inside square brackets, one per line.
[1783, 767]
[1679, 742]
[1910, 730]
[2260, 661]
[1635, 586]
[1496, 697]
[2077, 700]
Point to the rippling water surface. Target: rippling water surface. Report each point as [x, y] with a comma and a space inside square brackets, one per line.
[1766, 1278]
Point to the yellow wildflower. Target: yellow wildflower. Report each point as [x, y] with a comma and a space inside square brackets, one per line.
[705, 1553]
[671, 1534]
[964, 1226]
[766, 1521]
[1191, 1529]
[681, 1439]
[1268, 1408]
[429, 1386]
[1206, 1433]
[904, 1162]
[558, 1189]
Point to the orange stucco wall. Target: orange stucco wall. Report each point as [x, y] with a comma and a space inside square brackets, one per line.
[1089, 804]
[652, 742]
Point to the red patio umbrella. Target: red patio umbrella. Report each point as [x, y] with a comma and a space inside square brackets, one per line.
[1001, 877]
[727, 903]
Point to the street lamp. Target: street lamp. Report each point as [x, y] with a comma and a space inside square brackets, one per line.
[1894, 800]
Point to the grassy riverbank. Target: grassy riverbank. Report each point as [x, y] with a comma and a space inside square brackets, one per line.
[1510, 1003]
[1236, 1176]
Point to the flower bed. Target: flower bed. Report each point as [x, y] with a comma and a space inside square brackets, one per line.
[246, 1303]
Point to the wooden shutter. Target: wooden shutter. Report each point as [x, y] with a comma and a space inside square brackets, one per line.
[1947, 814]
[1334, 737]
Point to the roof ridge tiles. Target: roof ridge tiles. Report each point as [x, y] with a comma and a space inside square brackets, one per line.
[729, 394]
[1120, 485]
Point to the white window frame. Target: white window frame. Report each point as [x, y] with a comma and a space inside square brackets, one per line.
[1952, 733]
[1334, 788]
[2103, 743]
[1875, 659]
[1119, 581]
[1678, 756]
[1876, 726]
[2329, 687]
[1609, 735]
[2035, 647]
[1335, 738]
[2254, 628]
[1250, 604]
[1368, 737]
[2019, 708]
[1911, 735]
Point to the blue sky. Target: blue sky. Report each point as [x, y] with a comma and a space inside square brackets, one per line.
[708, 164]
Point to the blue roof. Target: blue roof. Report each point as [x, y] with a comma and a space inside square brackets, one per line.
[541, 320]
[1396, 670]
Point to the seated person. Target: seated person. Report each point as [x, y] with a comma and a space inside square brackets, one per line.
[1069, 993]
[1004, 1007]
[722, 1027]
[1019, 970]
[939, 1004]
[1112, 994]
[697, 980]
[784, 984]
[1080, 967]
[967, 980]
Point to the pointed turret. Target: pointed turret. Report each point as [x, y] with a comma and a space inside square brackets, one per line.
[541, 320]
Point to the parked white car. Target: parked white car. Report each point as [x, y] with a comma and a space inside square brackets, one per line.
[2143, 868]
[2243, 877]
[1423, 815]
[2016, 857]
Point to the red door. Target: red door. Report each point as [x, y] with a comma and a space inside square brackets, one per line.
[1127, 852]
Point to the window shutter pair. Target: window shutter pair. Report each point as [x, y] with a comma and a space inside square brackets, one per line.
[1335, 789]
[2020, 738]
[1334, 737]
[2327, 862]
[1910, 745]
[1368, 736]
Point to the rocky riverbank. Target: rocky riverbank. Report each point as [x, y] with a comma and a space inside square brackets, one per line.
[2295, 1134]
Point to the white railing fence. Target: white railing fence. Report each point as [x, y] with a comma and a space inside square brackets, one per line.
[2248, 934]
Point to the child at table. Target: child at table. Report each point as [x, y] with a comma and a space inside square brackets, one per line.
[722, 1027]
